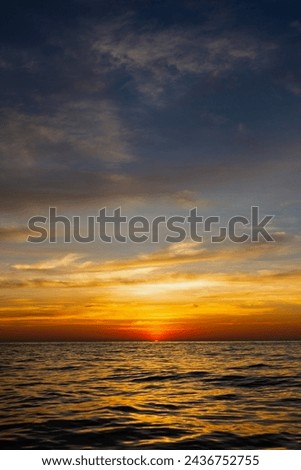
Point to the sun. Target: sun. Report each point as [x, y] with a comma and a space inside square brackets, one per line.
[157, 333]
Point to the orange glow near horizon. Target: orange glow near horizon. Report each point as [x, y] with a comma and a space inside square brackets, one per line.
[152, 322]
[170, 300]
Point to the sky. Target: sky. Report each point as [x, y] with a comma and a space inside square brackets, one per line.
[156, 107]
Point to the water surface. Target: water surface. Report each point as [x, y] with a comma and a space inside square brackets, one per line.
[177, 395]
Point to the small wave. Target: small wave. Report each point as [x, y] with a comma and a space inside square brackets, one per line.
[225, 396]
[248, 381]
[167, 406]
[290, 400]
[172, 377]
[259, 365]
[225, 440]
[124, 409]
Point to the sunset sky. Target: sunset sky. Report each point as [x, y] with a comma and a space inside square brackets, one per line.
[156, 107]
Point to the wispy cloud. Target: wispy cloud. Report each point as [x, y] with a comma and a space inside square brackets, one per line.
[66, 262]
[155, 57]
[84, 132]
[13, 233]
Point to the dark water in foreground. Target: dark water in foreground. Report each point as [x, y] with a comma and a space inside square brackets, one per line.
[150, 395]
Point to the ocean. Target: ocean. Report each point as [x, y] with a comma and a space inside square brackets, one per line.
[143, 395]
